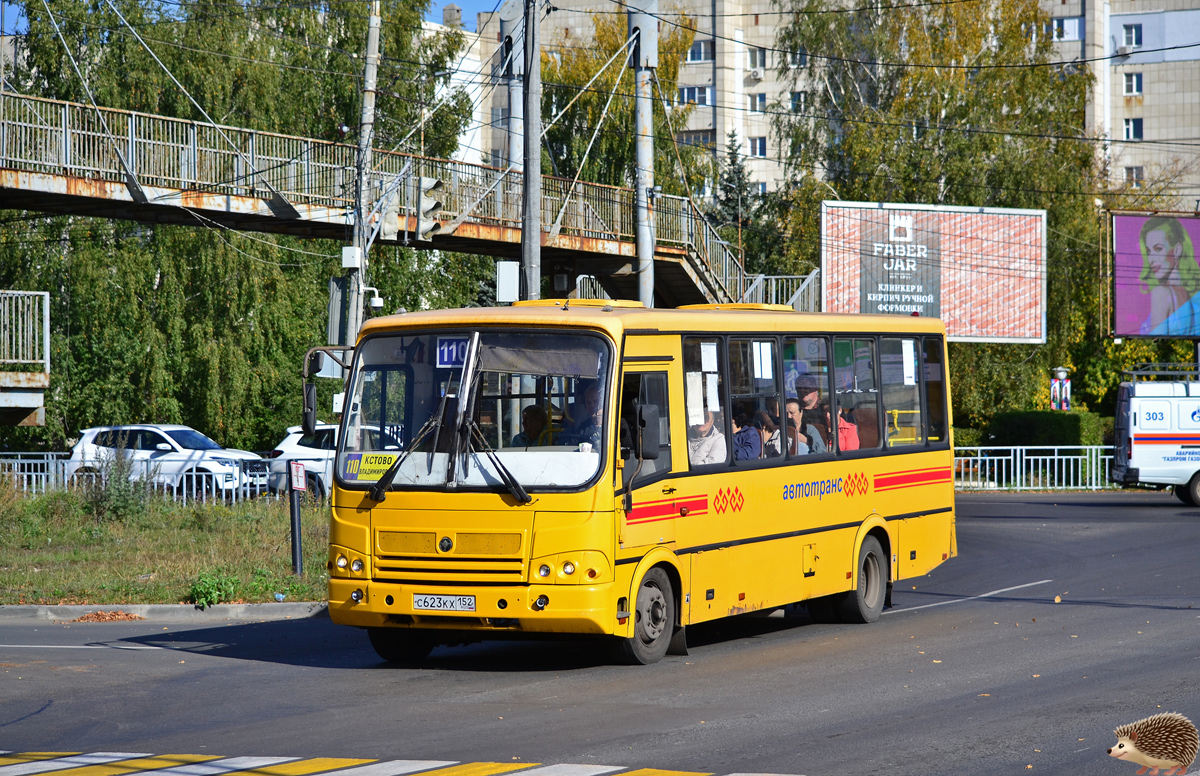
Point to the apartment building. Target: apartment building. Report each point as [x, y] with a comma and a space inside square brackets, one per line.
[1145, 58]
[1143, 54]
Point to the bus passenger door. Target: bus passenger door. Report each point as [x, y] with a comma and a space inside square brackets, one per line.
[650, 519]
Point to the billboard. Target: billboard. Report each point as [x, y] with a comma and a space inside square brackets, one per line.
[1156, 280]
[981, 270]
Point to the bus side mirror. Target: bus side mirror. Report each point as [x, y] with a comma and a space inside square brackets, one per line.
[646, 440]
[316, 362]
[309, 421]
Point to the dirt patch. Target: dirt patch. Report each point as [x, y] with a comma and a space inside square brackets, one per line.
[107, 617]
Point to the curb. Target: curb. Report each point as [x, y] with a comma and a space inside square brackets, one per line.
[173, 612]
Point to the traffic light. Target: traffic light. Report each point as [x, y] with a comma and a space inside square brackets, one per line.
[429, 204]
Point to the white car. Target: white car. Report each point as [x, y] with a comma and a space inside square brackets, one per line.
[315, 451]
[176, 456]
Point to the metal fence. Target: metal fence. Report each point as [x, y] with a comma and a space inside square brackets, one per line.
[1032, 468]
[25, 328]
[37, 473]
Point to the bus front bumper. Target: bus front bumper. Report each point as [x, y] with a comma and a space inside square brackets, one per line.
[582, 609]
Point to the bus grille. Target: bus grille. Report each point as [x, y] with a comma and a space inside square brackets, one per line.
[413, 557]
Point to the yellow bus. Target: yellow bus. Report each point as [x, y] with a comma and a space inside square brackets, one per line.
[597, 467]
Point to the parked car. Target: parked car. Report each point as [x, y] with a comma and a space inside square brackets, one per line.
[178, 457]
[316, 451]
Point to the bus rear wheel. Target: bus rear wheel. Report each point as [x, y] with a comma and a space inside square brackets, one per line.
[653, 620]
[399, 646]
[1190, 493]
[1181, 493]
[865, 603]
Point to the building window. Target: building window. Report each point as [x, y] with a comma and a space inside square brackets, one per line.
[758, 57]
[1133, 36]
[758, 147]
[1133, 83]
[761, 188]
[1134, 176]
[757, 102]
[701, 51]
[693, 94]
[703, 138]
[799, 101]
[799, 58]
[1133, 129]
[1067, 29]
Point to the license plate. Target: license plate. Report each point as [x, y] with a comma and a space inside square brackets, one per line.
[444, 603]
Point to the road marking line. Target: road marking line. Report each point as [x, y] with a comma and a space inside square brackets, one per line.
[26, 757]
[568, 769]
[656, 772]
[760, 774]
[960, 600]
[395, 768]
[479, 769]
[219, 767]
[130, 647]
[63, 763]
[125, 767]
[304, 767]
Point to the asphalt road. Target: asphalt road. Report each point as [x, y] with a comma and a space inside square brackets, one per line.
[1063, 617]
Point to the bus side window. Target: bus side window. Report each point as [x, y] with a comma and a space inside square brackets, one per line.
[640, 389]
[854, 407]
[935, 390]
[754, 384]
[898, 366]
[702, 393]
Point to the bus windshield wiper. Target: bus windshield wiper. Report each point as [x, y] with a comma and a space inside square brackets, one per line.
[506, 476]
[379, 490]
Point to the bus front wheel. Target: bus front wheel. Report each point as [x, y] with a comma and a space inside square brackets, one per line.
[399, 646]
[1190, 493]
[653, 620]
[865, 603]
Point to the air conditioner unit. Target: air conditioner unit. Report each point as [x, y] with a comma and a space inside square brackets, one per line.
[1123, 51]
[756, 74]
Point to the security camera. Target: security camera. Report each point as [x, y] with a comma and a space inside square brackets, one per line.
[376, 302]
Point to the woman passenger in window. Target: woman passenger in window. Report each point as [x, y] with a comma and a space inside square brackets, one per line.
[706, 443]
[847, 432]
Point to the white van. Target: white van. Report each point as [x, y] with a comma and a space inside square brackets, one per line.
[1157, 435]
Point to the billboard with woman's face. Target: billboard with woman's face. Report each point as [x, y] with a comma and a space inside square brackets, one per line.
[1155, 276]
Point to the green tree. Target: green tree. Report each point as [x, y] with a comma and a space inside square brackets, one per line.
[680, 168]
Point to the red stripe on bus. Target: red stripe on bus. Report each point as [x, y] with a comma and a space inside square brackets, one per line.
[912, 479]
[653, 511]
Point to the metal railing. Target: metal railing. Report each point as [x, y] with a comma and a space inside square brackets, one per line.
[1032, 468]
[25, 328]
[33, 474]
[62, 138]
[800, 292]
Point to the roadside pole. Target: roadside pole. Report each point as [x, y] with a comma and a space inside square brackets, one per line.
[297, 485]
[531, 223]
[355, 258]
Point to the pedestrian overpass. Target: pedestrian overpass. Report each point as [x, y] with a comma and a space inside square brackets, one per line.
[62, 157]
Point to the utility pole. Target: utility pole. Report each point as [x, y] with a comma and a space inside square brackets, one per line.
[512, 17]
[531, 223]
[355, 258]
[643, 22]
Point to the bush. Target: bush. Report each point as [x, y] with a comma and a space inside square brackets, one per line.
[967, 437]
[1046, 427]
[213, 587]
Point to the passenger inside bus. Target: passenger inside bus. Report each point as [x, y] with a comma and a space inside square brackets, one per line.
[533, 428]
[586, 418]
[768, 420]
[847, 432]
[797, 442]
[747, 439]
[706, 443]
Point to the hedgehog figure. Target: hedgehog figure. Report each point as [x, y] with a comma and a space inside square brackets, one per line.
[1163, 741]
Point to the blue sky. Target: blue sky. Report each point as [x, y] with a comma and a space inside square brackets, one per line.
[470, 8]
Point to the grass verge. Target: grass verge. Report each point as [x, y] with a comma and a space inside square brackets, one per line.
[129, 546]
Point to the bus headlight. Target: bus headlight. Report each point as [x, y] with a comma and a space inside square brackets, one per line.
[544, 571]
[342, 563]
[568, 568]
[356, 566]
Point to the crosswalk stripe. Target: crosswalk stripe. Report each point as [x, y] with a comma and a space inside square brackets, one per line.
[305, 767]
[476, 769]
[26, 757]
[394, 768]
[567, 769]
[136, 765]
[65, 763]
[219, 767]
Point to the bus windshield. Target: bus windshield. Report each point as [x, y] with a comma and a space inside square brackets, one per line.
[474, 409]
